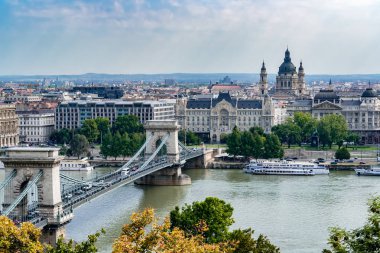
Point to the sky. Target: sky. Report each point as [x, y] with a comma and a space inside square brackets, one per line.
[188, 36]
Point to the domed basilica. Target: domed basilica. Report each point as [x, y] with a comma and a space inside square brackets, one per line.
[289, 83]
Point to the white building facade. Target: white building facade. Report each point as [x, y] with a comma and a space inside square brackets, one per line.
[36, 126]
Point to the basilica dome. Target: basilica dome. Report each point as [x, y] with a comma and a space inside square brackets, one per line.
[287, 67]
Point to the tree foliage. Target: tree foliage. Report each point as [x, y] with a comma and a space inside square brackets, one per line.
[257, 130]
[254, 143]
[70, 246]
[188, 137]
[288, 132]
[106, 147]
[127, 124]
[217, 216]
[352, 138]
[306, 123]
[19, 239]
[90, 130]
[144, 234]
[234, 142]
[246, 242]
[79, 145]
[332, 128]
[26, 238]
[272, 147]
[103, 125]
[121, 145]
[62, 136]
[216, 213]
[342, 153]
[360, 240]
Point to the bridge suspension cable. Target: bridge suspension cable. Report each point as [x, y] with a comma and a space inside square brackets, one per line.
[135, 155]
[183, 146]
[163, 142]
[8, 179]
[23, 193]
[72, 180]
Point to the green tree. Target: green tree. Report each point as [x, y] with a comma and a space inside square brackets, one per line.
[79, 145]
[106, 147]
[103, 125]
[137, 140]
[258, 146]
[332, 128]
[342, 153]
[19, 239]
[63, 150]
[257, 130]
[192, 138]
[234, 142]
[216, 213]
[62, 136]
[246, 242]
[272, 147]
[117, 145]
[306, 123]
[143, 234]
[70, 246]
[247, 144]
[360, 240]
[223, 138]
[90, 130]
[352, 137]
[127, 124]
[26, 238]
[288, 132]
[125, 146]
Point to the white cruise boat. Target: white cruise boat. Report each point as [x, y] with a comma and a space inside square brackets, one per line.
[81, 164]
[372, 171]
[285, 168]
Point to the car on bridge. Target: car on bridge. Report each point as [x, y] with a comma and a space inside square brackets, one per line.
[126, 171]
[87, 186]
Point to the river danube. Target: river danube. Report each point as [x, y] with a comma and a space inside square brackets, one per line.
[294, 212]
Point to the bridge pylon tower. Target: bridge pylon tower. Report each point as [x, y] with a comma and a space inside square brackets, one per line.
[29, 163]
[157, 130]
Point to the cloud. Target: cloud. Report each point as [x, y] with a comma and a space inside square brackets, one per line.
[199, 35]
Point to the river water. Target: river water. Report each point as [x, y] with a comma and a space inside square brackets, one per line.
[294, 212]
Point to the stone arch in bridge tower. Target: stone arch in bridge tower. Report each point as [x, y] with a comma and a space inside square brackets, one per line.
[28, 162]
[157, 130]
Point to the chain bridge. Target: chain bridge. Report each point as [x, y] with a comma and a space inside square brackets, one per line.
[34, 190]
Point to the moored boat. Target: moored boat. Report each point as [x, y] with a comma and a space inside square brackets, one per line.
[372, 171]
[285, 168]
[81, 164]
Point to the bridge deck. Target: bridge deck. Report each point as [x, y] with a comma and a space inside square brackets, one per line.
[114, 180]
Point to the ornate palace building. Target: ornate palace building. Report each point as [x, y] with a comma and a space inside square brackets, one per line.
[9, 132]
[213, 117]
[361, 113]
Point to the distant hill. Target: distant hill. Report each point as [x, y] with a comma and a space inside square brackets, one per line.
[187, 77]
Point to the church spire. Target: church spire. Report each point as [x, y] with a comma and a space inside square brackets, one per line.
[263, 66]
[263, 80]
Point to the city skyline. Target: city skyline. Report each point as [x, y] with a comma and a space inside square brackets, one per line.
[131, 37]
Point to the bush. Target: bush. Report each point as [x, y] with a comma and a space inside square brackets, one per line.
[342, 153]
